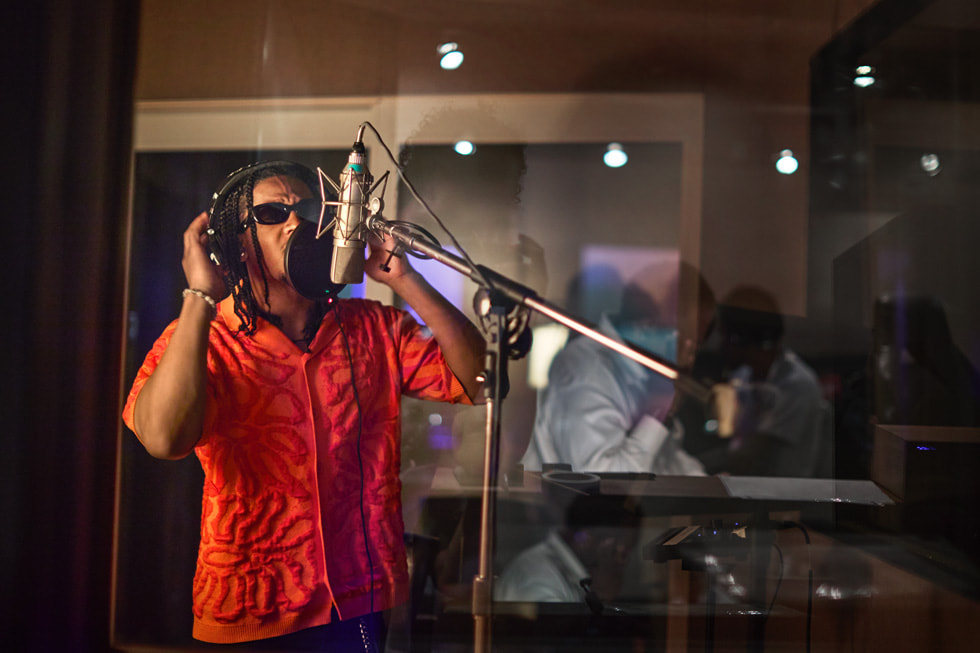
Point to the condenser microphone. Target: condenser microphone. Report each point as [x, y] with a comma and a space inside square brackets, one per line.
[347, 263]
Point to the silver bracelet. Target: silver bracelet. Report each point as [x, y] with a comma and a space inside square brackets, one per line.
[199, 293]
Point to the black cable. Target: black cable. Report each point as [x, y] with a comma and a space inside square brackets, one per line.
[360, 460]
[408, 184]
[779, 581]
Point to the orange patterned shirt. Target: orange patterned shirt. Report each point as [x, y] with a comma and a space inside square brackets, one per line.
[281, 525]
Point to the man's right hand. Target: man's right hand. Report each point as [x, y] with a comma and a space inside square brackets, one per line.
[200, 271]
[168, 415]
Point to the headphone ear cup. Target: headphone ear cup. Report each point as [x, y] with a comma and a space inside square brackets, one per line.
[214, 247]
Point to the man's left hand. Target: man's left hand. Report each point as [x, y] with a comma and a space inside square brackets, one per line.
[380, 257]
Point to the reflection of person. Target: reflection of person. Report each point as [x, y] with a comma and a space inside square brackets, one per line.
[292, 407]
[782, 425]
[592, 545]
[920, 375]
[602, 412]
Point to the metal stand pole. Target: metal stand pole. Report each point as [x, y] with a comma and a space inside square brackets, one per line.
[493, 390]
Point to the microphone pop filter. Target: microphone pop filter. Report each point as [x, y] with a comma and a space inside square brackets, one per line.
[307, 262]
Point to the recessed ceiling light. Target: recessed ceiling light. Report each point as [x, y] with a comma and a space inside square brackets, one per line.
[615, 156]
[786, 163]
[930, 164]
[864, 76]
[451, 57]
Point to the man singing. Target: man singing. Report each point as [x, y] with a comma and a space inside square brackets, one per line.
[291, 404]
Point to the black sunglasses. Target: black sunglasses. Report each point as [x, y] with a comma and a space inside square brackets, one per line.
[277, 212]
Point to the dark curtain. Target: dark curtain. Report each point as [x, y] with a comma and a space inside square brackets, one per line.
[67, 111]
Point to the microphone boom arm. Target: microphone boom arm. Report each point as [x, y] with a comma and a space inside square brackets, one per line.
[524, 296]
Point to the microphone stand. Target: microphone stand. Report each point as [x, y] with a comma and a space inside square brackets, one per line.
[503, 294]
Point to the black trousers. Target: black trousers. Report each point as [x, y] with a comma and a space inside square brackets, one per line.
[366, 634]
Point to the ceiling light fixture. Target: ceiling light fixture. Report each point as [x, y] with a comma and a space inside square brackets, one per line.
[615, 156]
[864, 76]
[450, 56]
[786, 163]
[930, 164]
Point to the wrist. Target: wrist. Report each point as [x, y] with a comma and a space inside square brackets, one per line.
[408, 277]
[204, 297]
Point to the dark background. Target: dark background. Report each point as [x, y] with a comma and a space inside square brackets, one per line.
[67, 108]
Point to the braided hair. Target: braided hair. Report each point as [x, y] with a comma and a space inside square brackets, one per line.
[238, 201]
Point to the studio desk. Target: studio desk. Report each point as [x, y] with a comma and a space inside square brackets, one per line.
[723, 563]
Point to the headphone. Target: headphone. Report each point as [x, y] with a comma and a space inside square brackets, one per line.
[231, 182]
[307, 258]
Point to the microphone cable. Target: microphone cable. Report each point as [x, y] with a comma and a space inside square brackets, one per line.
[425, 205]
[360, 460]
[779, 581]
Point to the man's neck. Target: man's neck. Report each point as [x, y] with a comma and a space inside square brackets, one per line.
[292, 310]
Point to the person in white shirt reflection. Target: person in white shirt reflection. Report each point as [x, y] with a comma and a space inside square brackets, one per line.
[602, 412]
[583, 560]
